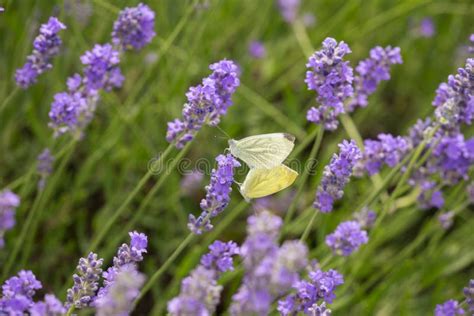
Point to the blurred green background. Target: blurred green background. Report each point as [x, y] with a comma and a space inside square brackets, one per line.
[129, 127]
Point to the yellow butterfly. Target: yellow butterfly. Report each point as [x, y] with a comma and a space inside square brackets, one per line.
[261, 182]
[263, 151]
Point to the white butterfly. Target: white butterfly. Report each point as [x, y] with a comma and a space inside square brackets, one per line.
[261, 182]
[263, 151]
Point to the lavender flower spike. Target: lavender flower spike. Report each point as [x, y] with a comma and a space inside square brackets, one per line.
[118, 300]
[207, 102]
[134, 27]
[9, 201]
[469, 294]
[336, 176]
[127, 255]
[370, 72]
[44, 166]
[83, 293]
[347, 238]
[18, 292]
[449, 308]
[289, 9]
[45, 46]
[320, 287]
[331, 77]
[51, 306]
[200, 292]
[218, 194]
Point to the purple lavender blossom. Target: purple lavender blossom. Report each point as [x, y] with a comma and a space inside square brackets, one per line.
[419, 131]
[452, 158]
[347, 238]
[101, 69]
[370, 72]
[258, 250]
[366, 218]
[45, 46]
[469, 294]
[220, 256]
[257, 50]
[207, 102]
[289, 9]
[454, 100]
[426, 28]
[18, 292]
[9, 201]
[83, 292]
[51, 306]
[446, 219]
[449, 308]
[430, 196]
[44, 167]
[319, 310]
[336, 175]
[218, 194]
[331, 78]
[290, 260]
[121, 294]
[320, 286]
[191, 182]
[387, 150]
[200, 292]
[127, 255]
[134, 27]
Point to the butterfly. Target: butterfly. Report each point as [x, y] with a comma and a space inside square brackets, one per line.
[261, 182]
[264, 151]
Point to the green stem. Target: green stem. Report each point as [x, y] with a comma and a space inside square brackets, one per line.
[148, 198]
[156, 276]
[305, 175]
[70, 310]
[309, 226]
[302, 38]
[9, 98]
[123, 207]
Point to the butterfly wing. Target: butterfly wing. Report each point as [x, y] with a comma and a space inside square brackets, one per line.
[263, 151]
[262, 182]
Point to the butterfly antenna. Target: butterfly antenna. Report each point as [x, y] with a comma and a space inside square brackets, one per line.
[223, 132]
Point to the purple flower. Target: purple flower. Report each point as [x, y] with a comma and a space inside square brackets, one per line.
[127, 256]
[9, 201]
[51, 306]
[191, 182]
[290, 260]
[71, 112]
[101, 69]
[218, 194]
[387, 150]
[418, 131]
[454, 100]
[289, 9]
[220, 256]
[430, 196]
[471, 47]
[200, 292]
[331, 78]
[207, 102]
[258, 252]
[336, 175]
[121, 294]
[45, 46]
[347, 238]
[449, 308]
[134, 28]
[426, 28]
[319, 310]
[446, 219]
[371, 71]
[18, 292]
[83, 292]
[44, 166]
[308, 19]
[257, 50]
[469, 294]
[366, 218]
[320, 286]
